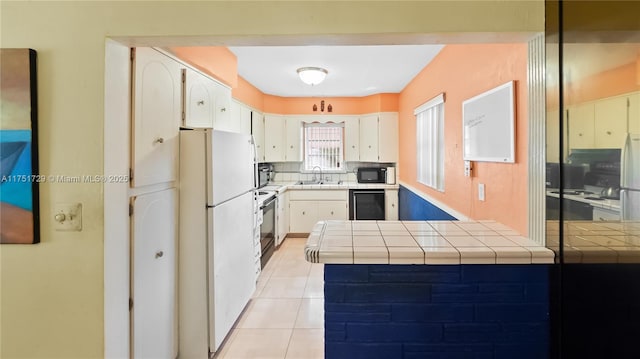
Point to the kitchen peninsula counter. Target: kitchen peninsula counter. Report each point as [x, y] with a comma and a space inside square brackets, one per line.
[422, 289]
[421, 242]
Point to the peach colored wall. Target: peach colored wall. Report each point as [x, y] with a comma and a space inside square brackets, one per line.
[340, 105]
[605, 84]
[217, 61]
[248, 94]
[617, 81]
[461, 72]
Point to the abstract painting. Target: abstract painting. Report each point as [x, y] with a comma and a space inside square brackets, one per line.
[19, 179]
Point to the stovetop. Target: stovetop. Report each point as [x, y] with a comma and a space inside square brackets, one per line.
[264, 195]
[573, 192]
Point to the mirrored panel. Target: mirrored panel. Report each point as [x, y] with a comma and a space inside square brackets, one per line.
[593, 133]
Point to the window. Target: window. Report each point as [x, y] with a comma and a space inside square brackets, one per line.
[430, 143]
[323, 146]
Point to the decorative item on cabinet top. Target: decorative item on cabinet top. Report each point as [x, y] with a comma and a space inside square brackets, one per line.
[329, 108]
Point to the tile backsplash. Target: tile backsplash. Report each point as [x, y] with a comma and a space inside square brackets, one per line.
[294, 171]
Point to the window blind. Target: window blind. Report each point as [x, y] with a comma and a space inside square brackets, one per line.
[323, 146]
[430, 143]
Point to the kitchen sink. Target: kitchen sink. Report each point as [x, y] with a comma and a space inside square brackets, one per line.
[331, 182]
[318, 183]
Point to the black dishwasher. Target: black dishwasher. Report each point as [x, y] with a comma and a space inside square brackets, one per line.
[366, 204]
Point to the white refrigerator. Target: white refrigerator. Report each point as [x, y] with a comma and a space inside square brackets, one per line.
[630, 179]
[216, 248]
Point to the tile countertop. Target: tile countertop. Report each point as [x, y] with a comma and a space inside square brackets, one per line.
[283, 186]
[611, 204]
[596, 241]
[421, 242]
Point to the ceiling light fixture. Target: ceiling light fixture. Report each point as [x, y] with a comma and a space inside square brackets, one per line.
[312, 75]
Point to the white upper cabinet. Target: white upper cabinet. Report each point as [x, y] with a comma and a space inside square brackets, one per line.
[581, 126]
[157, 115]
[208, 104]
[245, 119]
[293, 139]
[223, 118]
[274, 138]
[240, 118]
[282, 139]
[610, 122]
[233, 125]
[352, 139]
[388, 137]
[199, 99]
[369, 138]
[257, 130]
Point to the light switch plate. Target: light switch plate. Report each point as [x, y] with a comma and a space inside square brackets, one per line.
[481, 191]
[67, 217]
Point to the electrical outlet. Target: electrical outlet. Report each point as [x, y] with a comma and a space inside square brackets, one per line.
[67, 217]
[481, 191]
[467, 168]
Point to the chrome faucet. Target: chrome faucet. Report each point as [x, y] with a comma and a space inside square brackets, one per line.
[316, 179]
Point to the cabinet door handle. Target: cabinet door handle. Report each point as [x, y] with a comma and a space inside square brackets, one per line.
[369, 146]
[392, 205]
[332, 213]
[580, 134]
[303, 213]
[354, 146]
[608, 132]
[159, 254]
[223, 109]
[159, 140]
[200, 103]
[274, 146]
[291, 146]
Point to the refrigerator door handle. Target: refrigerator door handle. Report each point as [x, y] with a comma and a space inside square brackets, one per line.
[623, 204]
[623, 161]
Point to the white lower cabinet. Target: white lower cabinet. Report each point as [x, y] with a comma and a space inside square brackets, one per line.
[391, 204]
[307, 207]
[153, 275]
[603, 214]
[328, 210]
[302, 216]
[282, 217]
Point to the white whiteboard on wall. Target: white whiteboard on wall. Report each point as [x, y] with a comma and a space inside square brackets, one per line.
[488, 125]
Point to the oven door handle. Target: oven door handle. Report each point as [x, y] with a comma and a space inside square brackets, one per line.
[268, 203]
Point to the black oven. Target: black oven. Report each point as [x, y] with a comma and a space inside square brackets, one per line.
[268, 230]
[371, 175]
[366, 204]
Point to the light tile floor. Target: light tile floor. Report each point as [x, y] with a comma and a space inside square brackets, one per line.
[285, 318]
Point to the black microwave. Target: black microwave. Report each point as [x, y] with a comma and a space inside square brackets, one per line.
[371, 175]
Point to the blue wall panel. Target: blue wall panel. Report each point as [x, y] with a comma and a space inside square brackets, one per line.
[436, 311]
[415, 208]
